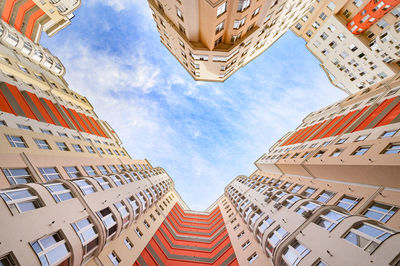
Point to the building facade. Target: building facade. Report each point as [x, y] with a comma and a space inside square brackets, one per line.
[213, 39]
[327, 193]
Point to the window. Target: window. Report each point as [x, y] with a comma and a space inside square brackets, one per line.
[329, 219]
[309, 33]
[45, 131]
[296, 188]
[307, 206]
[87, 234]
[16, 141]
[361, 150]
[42, 144]
[89, 170]
[18, 175]
[135, 206]
[341, 141]
[3, 123]
[62, 135]
[24, 127]
[380, 212]
[72, 171]
[348, 202]
[84, 186]
[239, 23]
[361, 138]
[294, 253]
[123, 211]
[49, 173]
[102, 169]
[179, 13]
[114, 258]
[331, 6]
[59, 191]
[20, 200]
[221, 9]
[290, 201]
[240, 234]
[336, 152]
[319, 154]
[101, 151]
[367, 236]
[243, 4]
[324, 36]
[219, 27]
[393, 148]
[8, 260]
[76, 137]
[62, 146]
[245, 244]
[52, 250]
[108, 220]
[138, 232]
[325, 196]
[90, 149]
[252, 258]
[255, 13]
[128, 243]
[77, 147]
[146, 224]
[322, 16]
[358, 3]
[382, 24]
[275, 237]
[103, 183]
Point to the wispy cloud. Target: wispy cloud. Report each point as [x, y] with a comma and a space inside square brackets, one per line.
[204, 134]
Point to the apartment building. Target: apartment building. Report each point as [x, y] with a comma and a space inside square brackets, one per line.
[355, 41]
[31, 17]
[213, 39]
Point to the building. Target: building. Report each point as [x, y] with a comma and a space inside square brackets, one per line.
[213, 39]
[31, 17]
[327, 193]
[355, 41]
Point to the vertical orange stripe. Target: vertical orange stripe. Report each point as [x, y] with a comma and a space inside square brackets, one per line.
[374, 114]
[21, 14]
[21, 101]
[325, 128]
[352, 120]
[8, 7]
[71, 118]
[31, 23]
[89, 124]
[5, 105]
[339, 124]
[97, 126]
[300, 135]
[56, 113]
[85, 129]
[389, 116]
[40, 107]
[308, 133]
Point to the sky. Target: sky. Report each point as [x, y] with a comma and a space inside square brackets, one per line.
[203, 134]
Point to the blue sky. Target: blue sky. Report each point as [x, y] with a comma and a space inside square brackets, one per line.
[204, 134]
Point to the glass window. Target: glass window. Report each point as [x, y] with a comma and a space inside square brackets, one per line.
[388, 134]
[72, 172]
[90, 149]
[87, 234]
[296, 188]
[367, 236]
[290, 201]
[308, 192]
[348, 202]
[59, 191]
[108, 220]
[393, 148]
[113, 169]
[117, 180]
[20, 200]
[361, 150]
[89, 170]
[42, 144]
[62, 146]
[135, 206]
[52, 250]
[24, 127]
[380, 212]
[102, 169]
[361, 138]
[84, 186]
[325, 196]
[294, 253]
[16, 141]
[128, 243]
[307, 206]
[18, 175]
[329, 219]
[123, 211]
[275, 237]
[8, 260]
[77, 147]
[221, 9]
[114, 258]
[103, 183]
[252, 258]
[49, 173]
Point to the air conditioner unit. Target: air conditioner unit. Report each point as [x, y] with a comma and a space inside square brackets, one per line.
[306, 214]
